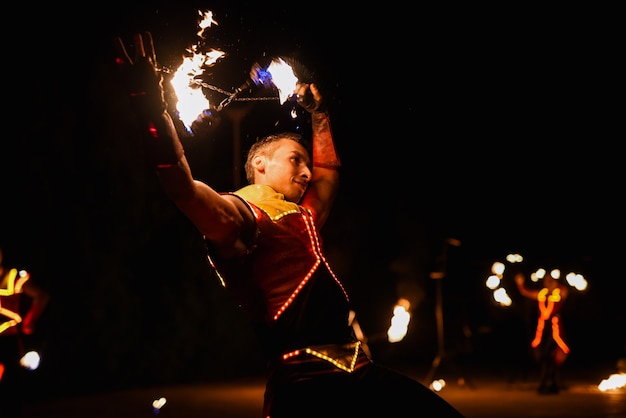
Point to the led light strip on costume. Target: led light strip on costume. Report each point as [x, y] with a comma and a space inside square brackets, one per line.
[335, 362]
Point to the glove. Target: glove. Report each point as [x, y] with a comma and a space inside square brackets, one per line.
[140, 78]
[143, 84]
[309, 98]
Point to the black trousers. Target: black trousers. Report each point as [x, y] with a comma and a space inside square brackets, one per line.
[371, 391]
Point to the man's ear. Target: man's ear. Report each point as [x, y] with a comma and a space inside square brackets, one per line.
[258, 163]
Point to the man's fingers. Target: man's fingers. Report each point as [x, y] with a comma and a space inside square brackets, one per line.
[316, 93]
[301, 89]
[140, 52]
[144, 47]
[149, 45]
[121, 52]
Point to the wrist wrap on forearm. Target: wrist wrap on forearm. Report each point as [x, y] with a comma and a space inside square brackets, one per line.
[163, 147]
[161, 142]
[324, 151]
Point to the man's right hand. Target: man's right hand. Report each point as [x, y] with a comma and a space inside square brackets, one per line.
[310, 98]
[140, 76]
[143, 83]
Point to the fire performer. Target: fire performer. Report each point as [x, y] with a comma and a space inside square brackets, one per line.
[264, 242]
[548, 345]
[17, 318]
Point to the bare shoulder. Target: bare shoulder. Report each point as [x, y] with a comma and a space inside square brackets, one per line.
[242, 206]
[248, 228]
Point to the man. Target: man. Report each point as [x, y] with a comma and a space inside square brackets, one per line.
[264, 242]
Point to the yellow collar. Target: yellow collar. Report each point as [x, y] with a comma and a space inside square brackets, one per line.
[268, 200]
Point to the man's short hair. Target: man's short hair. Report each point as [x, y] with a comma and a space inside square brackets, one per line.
[266, 146]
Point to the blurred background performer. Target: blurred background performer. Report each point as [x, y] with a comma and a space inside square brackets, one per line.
[22, 303]
[548, 345]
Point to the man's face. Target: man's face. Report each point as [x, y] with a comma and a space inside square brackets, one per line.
[287, 170]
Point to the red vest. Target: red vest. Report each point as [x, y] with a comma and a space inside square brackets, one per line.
[287, 253]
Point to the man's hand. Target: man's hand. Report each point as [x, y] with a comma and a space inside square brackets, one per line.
[142, 81]
[309, 98]
[140, 76]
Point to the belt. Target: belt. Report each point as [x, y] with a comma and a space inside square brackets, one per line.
[347, 357]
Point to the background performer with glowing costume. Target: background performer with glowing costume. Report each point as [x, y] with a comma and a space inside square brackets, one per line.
[22, 303]
[265, 244]
[548, 345]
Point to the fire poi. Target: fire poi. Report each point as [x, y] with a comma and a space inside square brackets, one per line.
[192, 104]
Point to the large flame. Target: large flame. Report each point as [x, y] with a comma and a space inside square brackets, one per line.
[283, 78]
[191, 100]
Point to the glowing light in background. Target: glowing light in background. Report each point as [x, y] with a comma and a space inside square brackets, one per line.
[437, 385]
[399, 321]
[494, 281]
[502, 297]
[30, 360]
[514, 258]
[614, 381]
[158, 404]
[498, 268]
[577, 281]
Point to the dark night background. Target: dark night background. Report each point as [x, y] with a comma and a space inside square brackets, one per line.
[496, 127]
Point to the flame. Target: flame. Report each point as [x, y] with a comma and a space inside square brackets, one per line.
[158, 404]
[614, 381]
[30, 360]
[192, 102]
[399, 321]
[500, 295]
[283, 78]
[437, 385]
[206, 21]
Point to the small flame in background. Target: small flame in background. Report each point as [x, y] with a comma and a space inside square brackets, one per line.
[400, 321]
[30, 360]
[192, 102]
[158, 404]
[614, 381]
